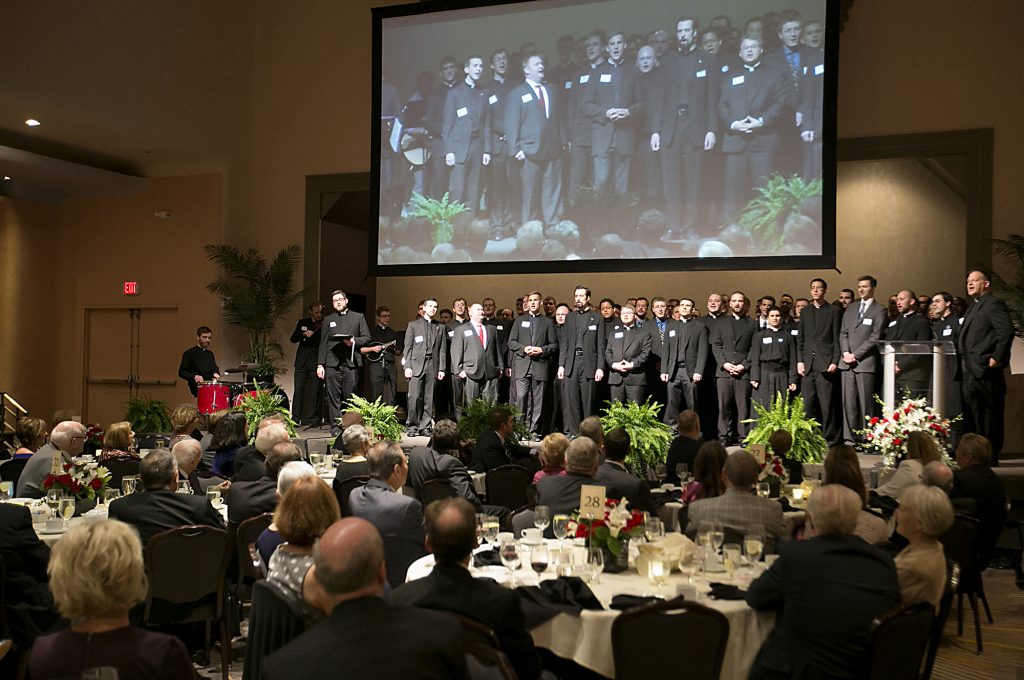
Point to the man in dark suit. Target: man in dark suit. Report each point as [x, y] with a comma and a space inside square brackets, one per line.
[812, 103]
[620, 481]
[451, 536]
[159, 508]
[945, 328]
[581, 358]
[708, 387]
[730, 342]
[984, 348]
[627, 353]
[562, 493]
[250, 462]
[826, 591]
[198, 363]
[860, 330]
[339, 357]
[307, 336]
[426, 362]
[502, 178]
[657, 327]
[364, 636]
[818, 358]
[684, 447]
[467, 145]
[686, 345]
[532, 343]
[28, 605]
[577, 125]
[493, 448]
[249, 499]
[435, 182]
[476, 361]
[534, 132]
[789, 58]
[398, 518]
[913, 371]
[978, 491]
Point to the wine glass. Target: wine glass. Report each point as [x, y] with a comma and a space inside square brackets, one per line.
[731, 556]
[661, 472]
[764, 489]
[705, 542]
[317, 461]
[595, 563]
[753, 546]
[67, 508]
[53, 497]
[654, 530]
[658, 568]
[541, 517]
[718, 536]
[560, 527]
[509, 553]
[539, 559]
[683, 472]
[491, 528]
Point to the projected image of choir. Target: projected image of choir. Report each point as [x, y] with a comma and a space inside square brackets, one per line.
[689, 141]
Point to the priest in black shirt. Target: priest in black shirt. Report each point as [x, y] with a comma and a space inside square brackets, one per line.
[198, 363]
[381, 359]
[307, 336]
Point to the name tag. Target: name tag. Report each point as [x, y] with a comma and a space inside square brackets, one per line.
[725, 68]
[671, 334]
[868, 321]
[418, 338]
[461, 112]
[592, 501]
[780, 340]
[527, 98]
[493, 99]
[451, 334]
[304, 329]
[738, 80]
[618, 336]
[947, 331]
[795, 332]
[500, 328]
[606, 77]
[568, 84]
[333, 324]
[960, 320]
[525, 324]
[766, 341]
[584, 79]
[891, 324]
[592, 327]
[702, 73]
[468, 333]
[819, 69]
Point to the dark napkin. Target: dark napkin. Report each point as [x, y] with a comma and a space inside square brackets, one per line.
[487, 558]
[662, 497]
[624, 602]
[725, 591]
[563, 595]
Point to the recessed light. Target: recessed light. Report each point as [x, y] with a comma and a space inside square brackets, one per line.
[32, 122]
[7, 178]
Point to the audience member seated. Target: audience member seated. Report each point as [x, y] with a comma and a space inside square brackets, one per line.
[118, 444]
[356, 439]
[348, 419]
[159, 508]
[67, 438]
[493, 448]
[184, 424]
[562, 494]
[365, 637]
[32, 435]
[229, 436]
[708, 478]
[250, 462]
[212, 420]
[921, 450]
[552, 456]
[290, 473]
[938, 474]
[978, 492]
[248, 499]
[303, 515]
[28, 606]
[825, 591]
[925, 513]
[398, 518]
[591, 428]
[451, 536]
[97, 575]
[842, 467]
[739, 510]
[621, 482]
[780, 443]
[188, 452]
[684, 447]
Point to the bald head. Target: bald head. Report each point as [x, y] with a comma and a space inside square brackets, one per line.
[741, 470]
[187, 452]
[451, 529]
[937, 473]
[349, 560]
[69, 437]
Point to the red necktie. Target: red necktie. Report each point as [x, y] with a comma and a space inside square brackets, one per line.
[480, 330]
[540, 95]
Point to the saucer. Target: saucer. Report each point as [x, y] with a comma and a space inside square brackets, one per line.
[43, 531]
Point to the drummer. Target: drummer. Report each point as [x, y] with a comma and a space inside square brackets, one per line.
[198, 363]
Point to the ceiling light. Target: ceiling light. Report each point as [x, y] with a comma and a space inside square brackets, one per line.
[32, 122]
[7, 178]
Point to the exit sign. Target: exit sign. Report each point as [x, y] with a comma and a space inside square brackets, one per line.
[131, 287]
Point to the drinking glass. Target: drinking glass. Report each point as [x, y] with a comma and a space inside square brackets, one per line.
[731, 554]
[764, 489]
[654, 530]
[491, 528]
[67, 509]
[111, 495]
[539, 559]
[753, 546]
[705, 543]
[129, 484]
[213, 495]
[683, 472]
[317, 461]
[560, 527]
[718, 536]
[480, 521]
[184, 486]
[53, 497]
[509, 553]
[658, 569]
[541, 517]
[595, 563]
[660, 471]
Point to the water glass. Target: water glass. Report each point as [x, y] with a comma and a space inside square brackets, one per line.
[111, 495]
[654, 530]
[541, 517]
[731, 556]
[595, 563]
[753, 546]
[184, 486]
[560, 526]
[659, 566]
[53, 497]
[764, 489]
[491, 528]
[213, 495]
[683, 472]
[67, 508]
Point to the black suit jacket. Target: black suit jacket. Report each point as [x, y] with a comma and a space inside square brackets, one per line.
[431, 342]
[308, 348]
[623, 484]
[730, 342]
[29, 607]
[490, 452]
[978, 491]
[826, 590]
[369, 638]
[249, 465]
[152, 512]
[479, 362]
[686, 346]
[613, 87]
[687, 109]
[629, 345]
[562, 493]
[586, 331]
[426, 464]
[248, 499]
[818, 337]
[335, 353]
[450, 587]
[465, 117]
[681, 450]
[758, 94]
[538, 331]
[986, 333]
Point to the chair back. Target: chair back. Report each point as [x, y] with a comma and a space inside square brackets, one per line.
[484, 656]
[506, 486]
[120, 469]
[318, 445]
[153, 441]
[960, 544]
[939, 624]
[521, 519]
[698, 634]
[274, 622]
[10, 470]
[186, 566]
[434, 490]
[344, 488]
[898, 642]
[246, 534]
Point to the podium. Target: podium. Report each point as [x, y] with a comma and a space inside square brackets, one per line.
[926, 368]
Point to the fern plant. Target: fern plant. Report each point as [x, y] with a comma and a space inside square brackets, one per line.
[380, 417]
[649, 438]
[439, 213]
[260, 403]
[787, 414]
[473, 422]
[148, 415]
[766, 213]
[1010, 289]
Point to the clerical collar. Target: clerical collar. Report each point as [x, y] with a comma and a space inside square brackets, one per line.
[382, 327]
[584, 310]
[906, 314]
[616, 64]
[629, 327]
[751, 67]
[498, 79]
[687, 50]
[773, 328]
[449, 85]
[595, 64]
[470, 82]
[736, 316]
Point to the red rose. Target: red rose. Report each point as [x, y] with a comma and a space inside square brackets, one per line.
[897, 442]
[874, 421]
[64, 480]
[96, 483]
[67, 467]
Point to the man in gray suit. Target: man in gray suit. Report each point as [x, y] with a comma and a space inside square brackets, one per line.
[397, 517]
[426, 362]
[562, 493]
[476, 361]
[861, 328]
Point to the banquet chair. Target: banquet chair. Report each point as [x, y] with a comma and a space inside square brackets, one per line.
[939, 625]
[521, 519]
[10, 470]
[506, 486]
[249, 570]
[898, 642]
[18, 662]
[484, 656]
[187, 572]
[273, 622]
[153, 441]
[120, 469]
[341, 491]
[699, 636]
[434, 490]
[960, 544]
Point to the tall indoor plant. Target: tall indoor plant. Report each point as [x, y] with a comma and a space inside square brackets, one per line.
[1010, 288]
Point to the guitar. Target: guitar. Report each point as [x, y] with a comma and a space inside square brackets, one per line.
[379, 356]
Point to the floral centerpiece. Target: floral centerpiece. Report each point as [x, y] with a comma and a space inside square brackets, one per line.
[611, 533]
[79, 480]
[887, 434]
[773, 469]
[94, 436]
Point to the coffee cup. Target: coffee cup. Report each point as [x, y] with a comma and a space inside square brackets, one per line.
[531, 536]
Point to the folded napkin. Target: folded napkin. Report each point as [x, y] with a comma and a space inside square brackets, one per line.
[725, 591]
[624, 602]
[662, 497]
[487, 558]
[563, 595]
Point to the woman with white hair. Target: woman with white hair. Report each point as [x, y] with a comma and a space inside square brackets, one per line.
[96, 576]
[925, 513]
[292, 472]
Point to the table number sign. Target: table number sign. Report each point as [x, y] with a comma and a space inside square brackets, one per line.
[592, 502]
[759, 451]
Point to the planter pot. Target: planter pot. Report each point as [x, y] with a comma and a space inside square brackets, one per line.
[615, 564]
